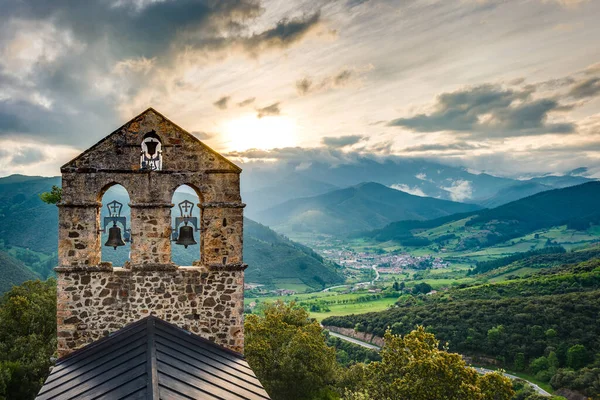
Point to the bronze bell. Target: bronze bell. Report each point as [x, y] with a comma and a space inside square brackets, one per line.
[114, 237]
[186, 236]
[151, 148]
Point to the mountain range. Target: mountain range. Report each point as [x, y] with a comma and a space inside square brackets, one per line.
[264, 185]
[365, 206]
[575, 207]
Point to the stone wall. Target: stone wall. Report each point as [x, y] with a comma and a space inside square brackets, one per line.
[93, 303]
[362, 336]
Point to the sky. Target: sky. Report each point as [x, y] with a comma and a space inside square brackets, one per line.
[509, 87]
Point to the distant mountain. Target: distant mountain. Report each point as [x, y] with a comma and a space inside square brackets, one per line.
[292, 186]
[561, 181]
[514, 192]
[14, 272]
[361, 207]
[424, 177]
[575, 206]
[30, 223]
[262, 184]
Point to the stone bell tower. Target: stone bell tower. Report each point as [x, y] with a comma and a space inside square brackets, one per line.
[151, 157]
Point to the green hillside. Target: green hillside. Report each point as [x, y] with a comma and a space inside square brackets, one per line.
[14, 272]
[362, 207]
[559, 216]
[278, 261]
[544, 325]
[25, 216]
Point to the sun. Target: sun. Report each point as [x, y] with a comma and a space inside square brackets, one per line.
[251, 132]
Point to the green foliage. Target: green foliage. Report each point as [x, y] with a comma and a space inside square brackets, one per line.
[414, 367]
[540, 321]
[577, 356]
[485, 266]
[53, 196]
[14, 272]
[289, 354]
[349, 353]
[27, 338]
[586, 380]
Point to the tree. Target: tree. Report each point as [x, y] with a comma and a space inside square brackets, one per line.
[414, 367]
[577, 356]
[519, 362]
[53, 196]
[27, 338]
[287, 351]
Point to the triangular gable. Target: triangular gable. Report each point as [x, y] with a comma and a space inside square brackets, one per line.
[123, 141]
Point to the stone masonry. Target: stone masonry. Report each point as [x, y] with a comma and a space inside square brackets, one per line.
[95, 298]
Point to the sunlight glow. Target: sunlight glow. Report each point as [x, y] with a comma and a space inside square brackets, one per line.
[250, 132]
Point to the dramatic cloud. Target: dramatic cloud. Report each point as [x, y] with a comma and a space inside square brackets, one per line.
[342, 141]
[284, 34]
[342, 78]
[246, 102]
[271, 110]
[489, 111]
[443, 147]
[28, 156]
[222, 102]
[587, 88]
[67, 82]
[410, 190]
[460, 190]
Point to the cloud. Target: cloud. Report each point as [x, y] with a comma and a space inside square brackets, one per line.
[271, 110]
[340, 79]
[460, 190]
[443, 147]
[203, 135]
[285, 33]
[405, 188]
[303, 85]
[342, 141]
[246, 102]
[587, 88]
[222, 102]
[28, 156]
[67, 82]
[489, 111]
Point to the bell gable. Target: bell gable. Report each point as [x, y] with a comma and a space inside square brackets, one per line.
[150, 141]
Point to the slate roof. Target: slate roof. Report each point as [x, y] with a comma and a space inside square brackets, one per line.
[152, 359]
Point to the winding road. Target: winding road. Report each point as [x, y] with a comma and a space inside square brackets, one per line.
[482, 371]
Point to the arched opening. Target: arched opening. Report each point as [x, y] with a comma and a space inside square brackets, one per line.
[151, 152]
[185, 220]
[115, 213]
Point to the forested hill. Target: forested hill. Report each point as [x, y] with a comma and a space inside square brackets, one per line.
[13, 272]
[275, 258]
[26, 220]
[361, 207]
[539, 324]
[575, 206]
